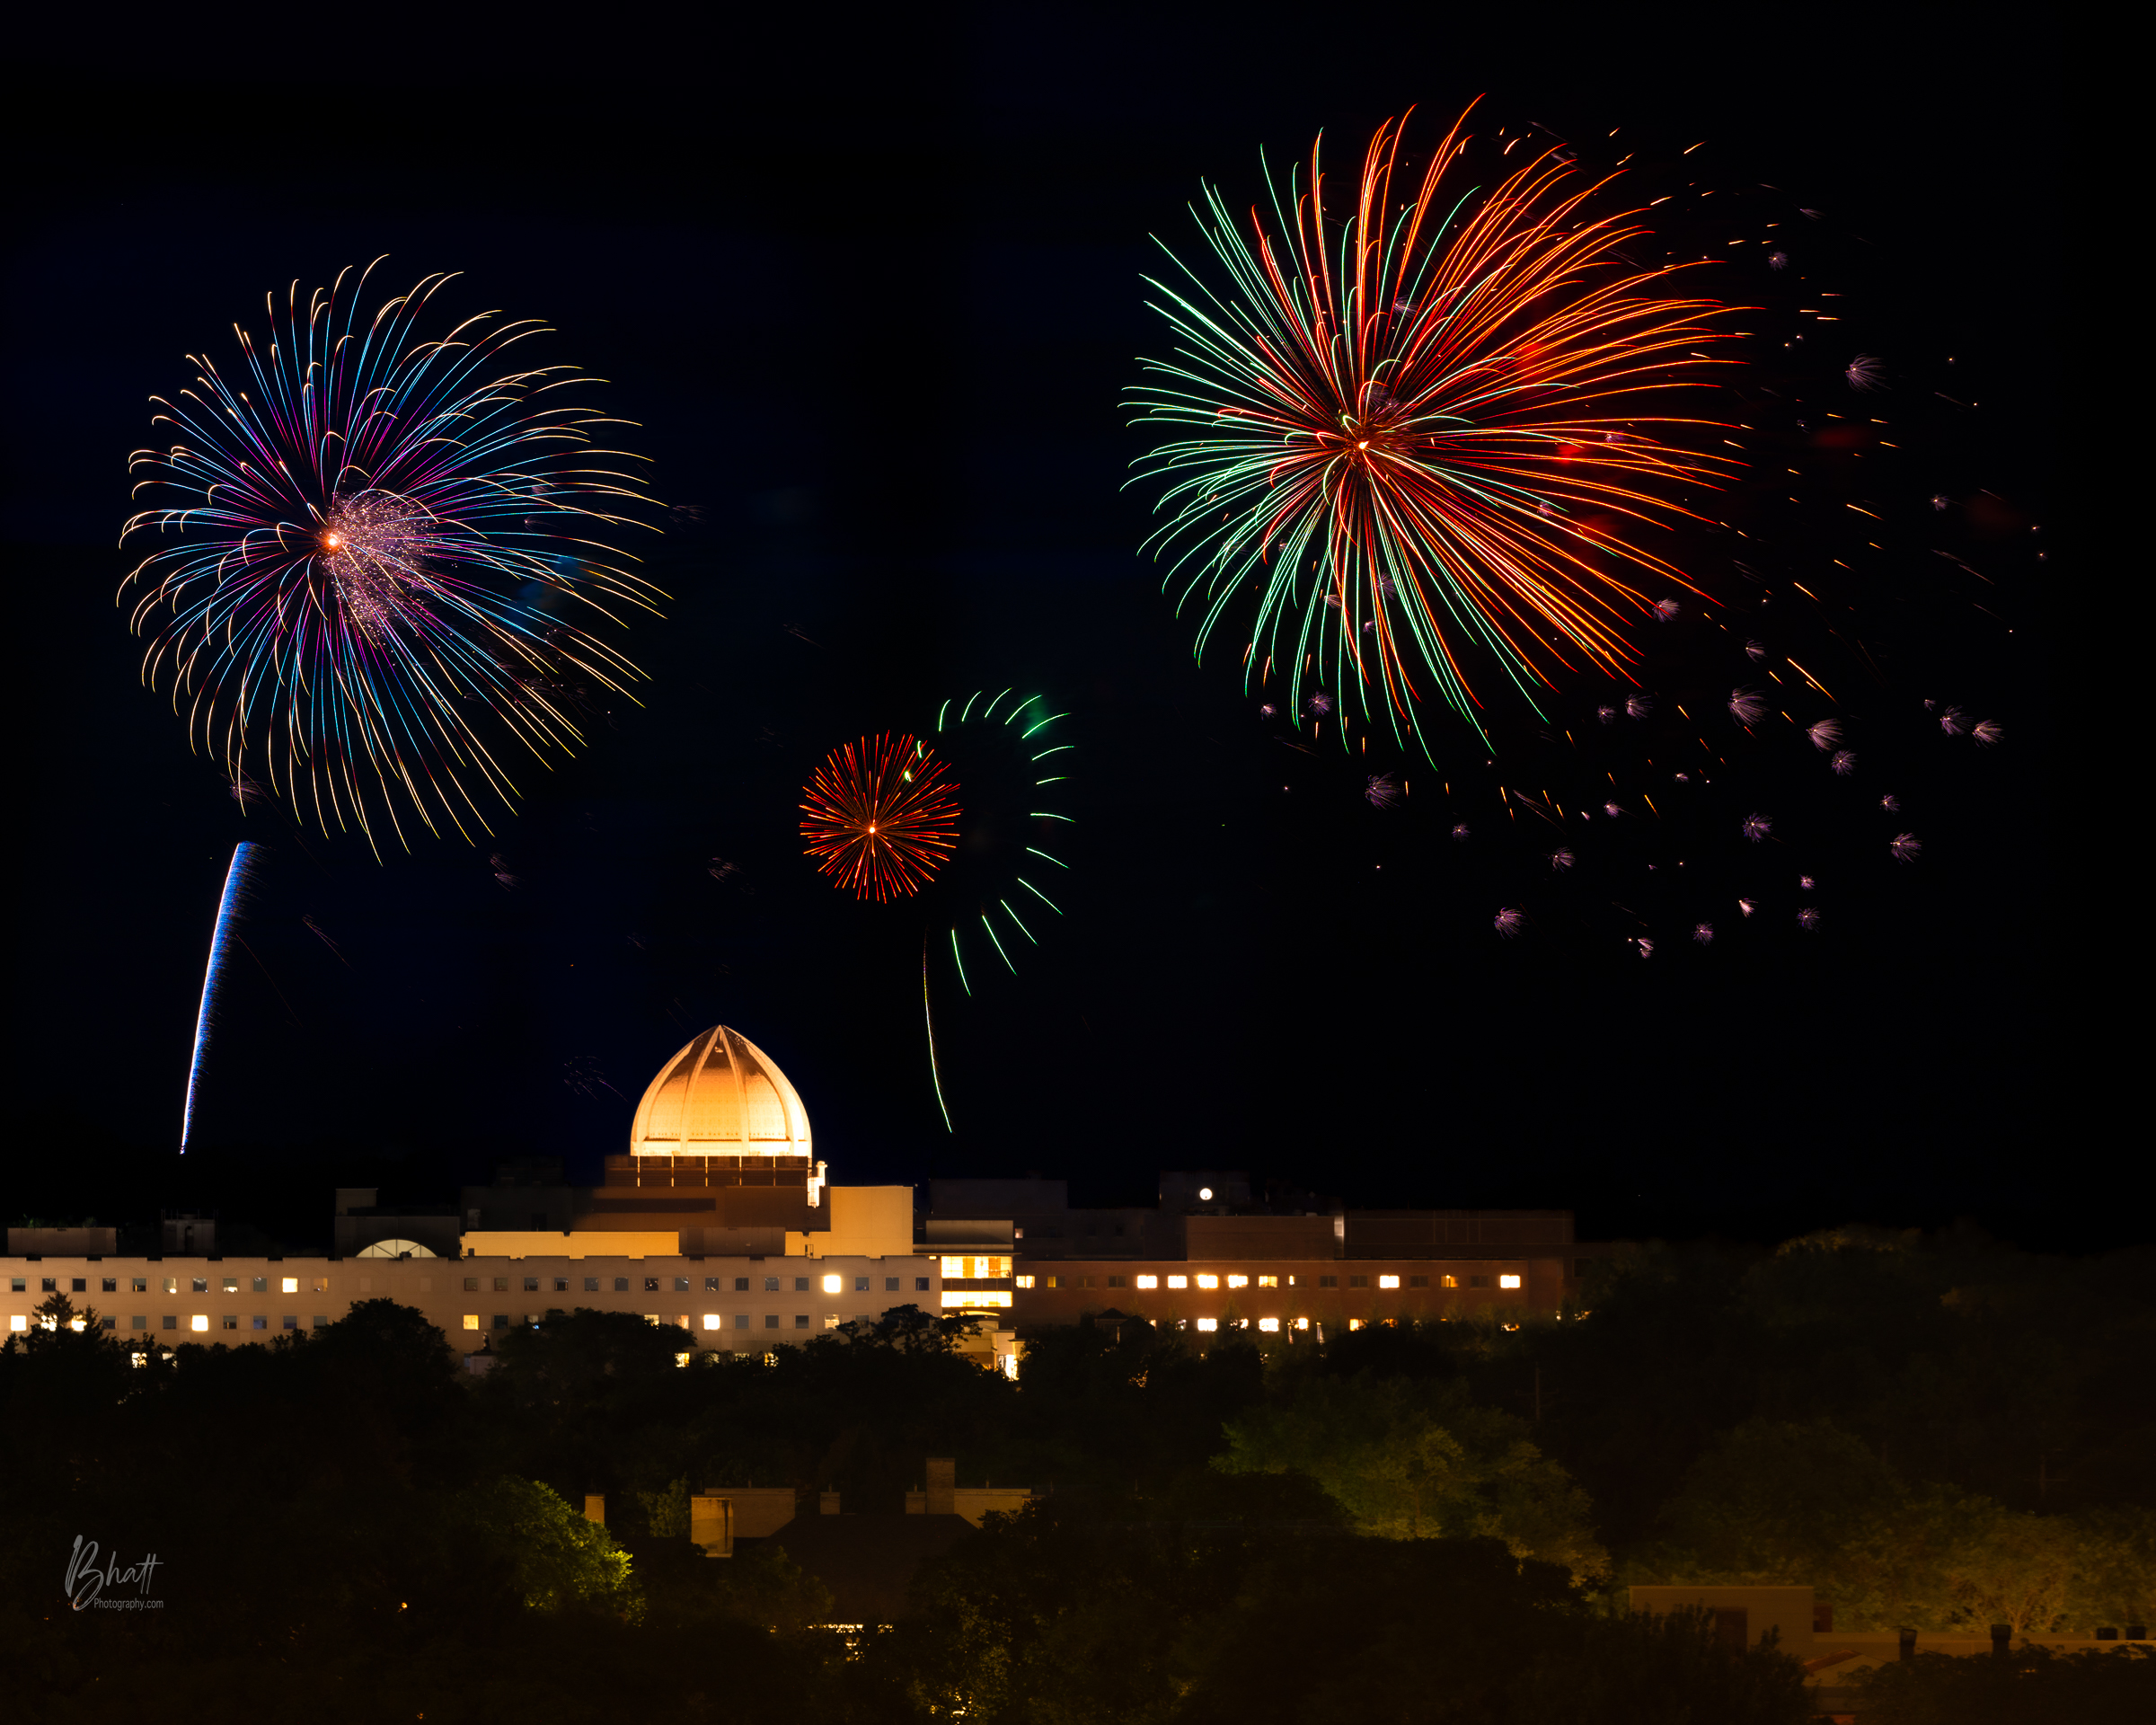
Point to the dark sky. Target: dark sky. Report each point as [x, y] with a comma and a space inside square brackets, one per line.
[873, 298]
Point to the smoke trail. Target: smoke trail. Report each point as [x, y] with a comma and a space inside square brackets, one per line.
[236, 881]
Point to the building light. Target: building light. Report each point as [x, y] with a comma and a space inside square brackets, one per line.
[1448, 1281]
[1179, 1281]
[682, 1360]
[712, 1321]
[1355, 1323]
[471, 1320]
[1268, 1323]
[1025, 1281]
[1239, 1281]
[1268, 1282]
[1208, 1281]
[833, 1284]
[954, 1268]
[198, 1322]
[291, 1283]
[1302, 1323]
[1509, 1281]
[17, 1322]
[1208, 1324]
[1149, 1281]
[1388, 1281]
[977, 1297]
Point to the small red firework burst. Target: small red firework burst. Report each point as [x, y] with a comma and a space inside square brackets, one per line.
[880, 817]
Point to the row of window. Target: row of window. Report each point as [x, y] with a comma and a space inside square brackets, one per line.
[200, 1321]
[1263, 1281]
[712, 1320]
[711, 1284]
[171, 1283]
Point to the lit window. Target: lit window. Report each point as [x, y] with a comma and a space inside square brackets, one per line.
[1388, 1281]
[288, 1284]
[954, 1268]
[142, 1284]
[832, 1284]
[1053, 1281]
[170, 1285]
[200, 1321]
[1239, 1281]
[471, 1320]
[1268, 1323]
[830, 1320]
[1268, 1282]
[231, 1284]
[1023, 1281]
[1355, 1323]
[1448, 1281]
[682, 1360]
[1149, 1281]
[17, 1322]
[1509, 1281]
[1179, 1281]
[712, 1321]
[1208, 1281]
[652, 1317]
[650, 1284]
[1302, 1323]
[1208, 1324]
[322, 1284]
[998, 1297]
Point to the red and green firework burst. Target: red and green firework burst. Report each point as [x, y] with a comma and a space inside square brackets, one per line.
[879, 817]
[1432, 439]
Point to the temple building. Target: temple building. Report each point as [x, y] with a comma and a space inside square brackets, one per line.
[720, 1222]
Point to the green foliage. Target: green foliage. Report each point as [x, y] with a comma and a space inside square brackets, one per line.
[666, 1511]
[560, 1561]
[2031, 1686]
[1409, 1466]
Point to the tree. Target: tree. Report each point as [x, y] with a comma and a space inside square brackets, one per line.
[559, 1561]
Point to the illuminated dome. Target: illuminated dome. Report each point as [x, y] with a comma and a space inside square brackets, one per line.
[720, 1095]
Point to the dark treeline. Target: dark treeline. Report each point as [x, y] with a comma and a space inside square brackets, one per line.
[1431, 1522]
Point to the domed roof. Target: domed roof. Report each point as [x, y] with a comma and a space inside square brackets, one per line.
[720, 1095]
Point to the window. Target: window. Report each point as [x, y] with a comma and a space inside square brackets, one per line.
[198, 1322]
[1023, 1281]
[289, 1323]
[1388, 1281]
[740, 1319]
[18, 1322]
[199, 1283]
[1051, 1281]
[711, 1284]
[1328, 1281]
[287, 1284]
[1179, 1281]
[1083, 1282]
[1268, 1282]
[231, 1284]
[471, 1284]
[1239, 1281]
[653, 1317]
[832, 1284]
[1208, 1324]
[1268, 1323]
[322, 1284]
[860, 1284]
[1418, 1281]
[560, 1284]
[591, 1284]
[800, 1284]
[170, 1323]
[531, 1284]
[51, 1286]
[771, 1284]
[471, 1320]
[770, 1320]
[80, 1285]
[681, 1284]
[1448, 1281]
[1478, 1281]
[621, 1284]
[830, 1320]
[318, 1323]
[800, 1320]
[650, 1284]
[1149, 1281]
[1358, 1281]
[111, 1285]
[920, 1284]
[501, 1320]
[1509, 1281]
[15, 1285]
[109, 1323]
[712, 1321]
[1302, 1323]
[232, 1323]
[259, 1323]
[501, 1284]
[139, 1323]
[740, 1284]
[1208, 1281]
[261, 1285]
[1117, 1281]
[1355, 1323]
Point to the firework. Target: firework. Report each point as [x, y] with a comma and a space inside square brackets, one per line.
[1825, 735]
[1403, 419]
[1608, 715]
[1844, 762]
[1460, 832]
[1383, 791]
[1747, 707]
[1746, 905]
[503, 879]
[1755, 651]
[1891, 804]
[1778, 260]
[1756, 828]
[1905, 848]
[1804, 883]
[231, 903]
[882, 817]
[1638, 706]
[1987, 731]
[373, 539]
[1704, 933]
[1645, 946]
[1865, 374]
[1562, 859]
[1508, 922]
[1808, 917]
[1953, 721]
[1613, 809]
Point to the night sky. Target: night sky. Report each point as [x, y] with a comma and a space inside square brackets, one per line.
[874, 299]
